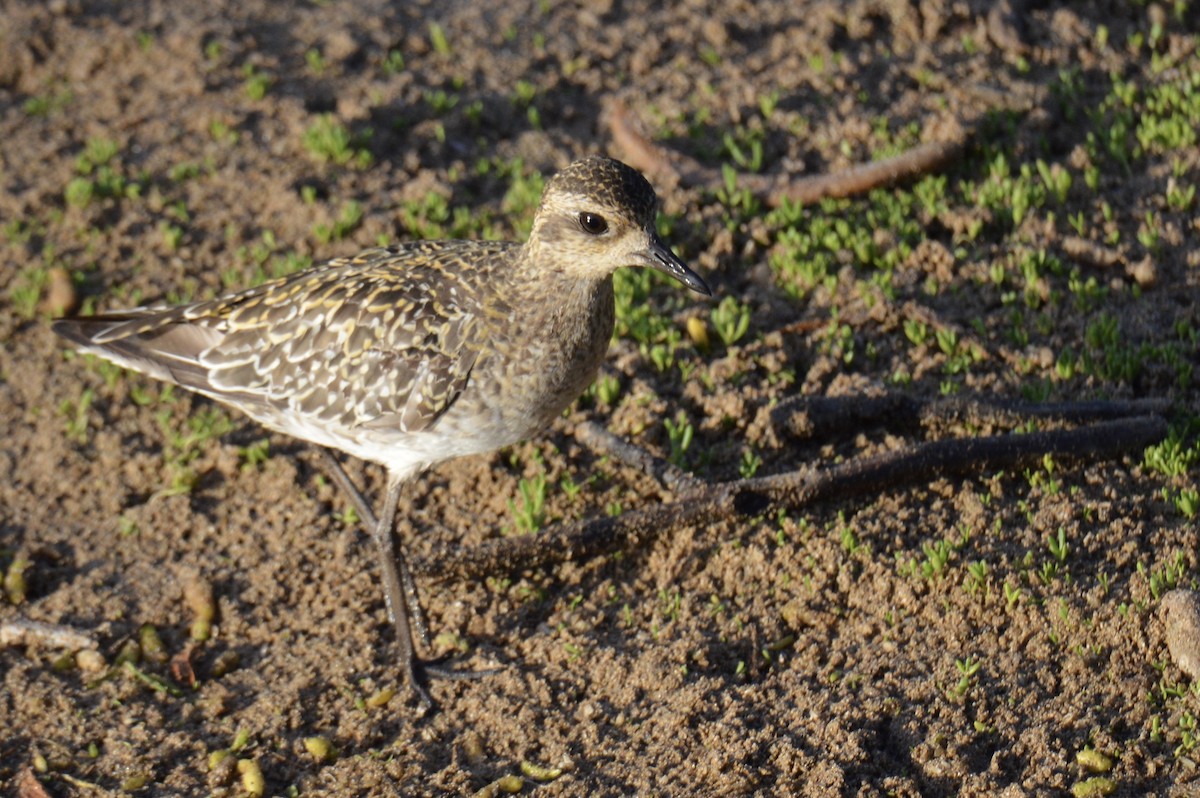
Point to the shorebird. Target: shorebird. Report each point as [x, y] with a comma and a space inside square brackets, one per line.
[413, 354]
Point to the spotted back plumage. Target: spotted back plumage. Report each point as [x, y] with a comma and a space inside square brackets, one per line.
[386, 338]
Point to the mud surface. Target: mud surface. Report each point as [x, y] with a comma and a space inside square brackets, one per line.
[967, 636]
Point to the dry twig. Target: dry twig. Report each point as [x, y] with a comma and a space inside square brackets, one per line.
[826, 416]
[603, 442]
[23, 630]
[794, 489]
[666, 164]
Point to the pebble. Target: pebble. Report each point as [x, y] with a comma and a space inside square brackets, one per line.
[60, 298]
[1180, 611]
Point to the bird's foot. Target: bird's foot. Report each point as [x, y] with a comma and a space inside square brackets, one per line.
[420, 672]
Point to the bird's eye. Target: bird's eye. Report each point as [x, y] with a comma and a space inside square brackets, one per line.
[593, 223]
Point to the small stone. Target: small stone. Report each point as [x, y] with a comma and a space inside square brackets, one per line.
[1144, 272]
[1180, 611]
[90, 661]
[472, 747]
[716, 34]
[60, 298]
[340, 46]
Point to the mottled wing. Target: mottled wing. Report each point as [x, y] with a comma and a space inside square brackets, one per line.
[385, 339]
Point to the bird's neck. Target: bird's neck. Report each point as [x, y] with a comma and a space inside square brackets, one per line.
[572, 315]
[577, 302]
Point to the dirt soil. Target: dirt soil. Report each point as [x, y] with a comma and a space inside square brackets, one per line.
[992, 635]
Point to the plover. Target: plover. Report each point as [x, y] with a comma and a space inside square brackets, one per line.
[416, 353]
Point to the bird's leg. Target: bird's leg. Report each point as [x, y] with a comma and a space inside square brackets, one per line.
[392, 564]
[399, 589]
[363, 508]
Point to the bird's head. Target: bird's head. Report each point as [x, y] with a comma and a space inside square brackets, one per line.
[598, 215]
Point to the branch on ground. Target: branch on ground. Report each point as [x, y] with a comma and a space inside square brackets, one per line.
[804, 487]
[24, 632]
[668, 165]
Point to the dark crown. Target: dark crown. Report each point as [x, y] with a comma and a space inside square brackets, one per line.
[609, 182]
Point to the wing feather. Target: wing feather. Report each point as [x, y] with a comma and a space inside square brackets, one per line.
[385, 340]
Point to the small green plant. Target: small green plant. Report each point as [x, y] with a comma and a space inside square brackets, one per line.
[1187, 735]
[172, 235]
[440, 101]
[255, 454]
[1180, 198]
[740, 203]
[328, 140]
[731, 320]
[47, 104]
[1149, 233]
[1058, 546]
[184, 446]
[748, 467]
[1173, 457]
[967, 670]
[1078, 223]
[569, 487]
[99, 177]
[636, 316]
[127, 527]
[1168, 577]
[670, 604]
[523, 93]
[437, 38]
[937, 556]
[745, 148]
[393, 63]
[76, 414]
[183, 171]
[523, 195]
[222, 133]
[767, 103]
[348, 517]
[1187, 502]
[1056, 179]
[474, 113]
[846, 537]
[608, 390]
[531, 514]
[26, 290]
[316, 61]
[916, 331]
[837, 340]
[255, 83]
[349, 217]
[679, 434]
[1048, 572]
[977, 578]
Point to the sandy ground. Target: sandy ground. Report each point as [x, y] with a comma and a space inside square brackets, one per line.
[997, 634]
